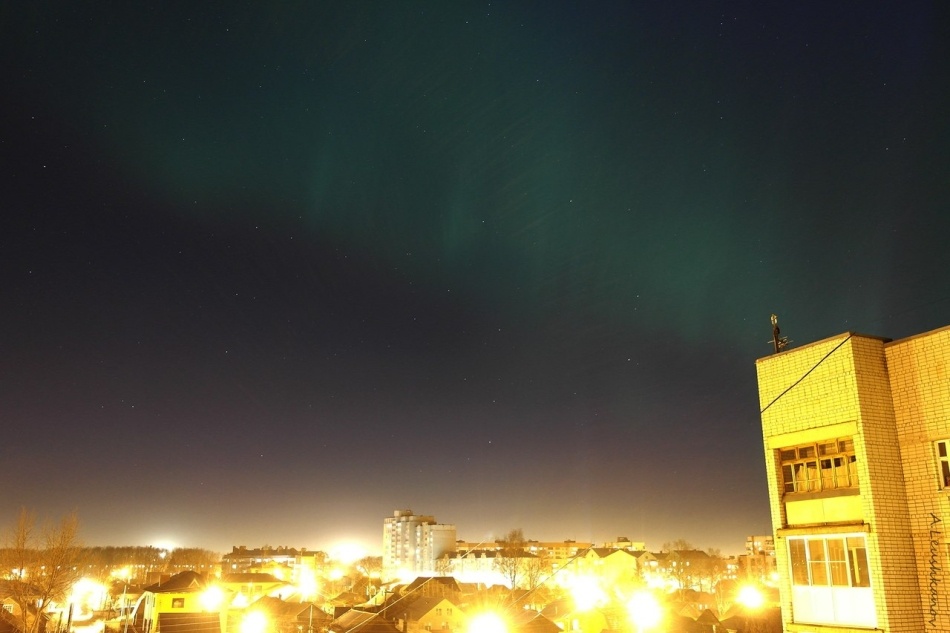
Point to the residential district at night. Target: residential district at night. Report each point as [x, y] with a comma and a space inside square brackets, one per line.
[856, 436]
[474, 316]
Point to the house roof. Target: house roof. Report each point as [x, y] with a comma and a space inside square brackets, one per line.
[250, 578]
[527, 621]
[446, 581]
[183, 582]
[475, 553]
[604, 552]
[419, 606]
[355, 621]
[282, 608]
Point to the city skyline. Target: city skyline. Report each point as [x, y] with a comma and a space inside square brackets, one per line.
[272, 272]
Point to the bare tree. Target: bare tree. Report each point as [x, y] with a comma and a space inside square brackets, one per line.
[44, 564]
[678, 562]
[509, 559]
[537, 569]
[443, 566]
[370, 566]
[194, 558]
[710, 570]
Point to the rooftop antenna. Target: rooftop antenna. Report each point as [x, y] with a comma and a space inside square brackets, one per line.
[778, 341]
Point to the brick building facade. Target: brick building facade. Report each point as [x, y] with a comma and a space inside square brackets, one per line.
[856, 432]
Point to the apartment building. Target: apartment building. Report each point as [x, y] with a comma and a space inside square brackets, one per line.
[856, 433]
[413, 544]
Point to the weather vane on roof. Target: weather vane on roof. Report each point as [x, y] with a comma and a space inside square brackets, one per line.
[778, 341]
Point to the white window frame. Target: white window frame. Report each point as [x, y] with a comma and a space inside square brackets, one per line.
[821, 600]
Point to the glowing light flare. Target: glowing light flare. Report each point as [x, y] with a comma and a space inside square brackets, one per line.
[750, 597]
[254, 622]
[405, 576]
[87, 595]
[487, 622]
[307, 584]
[587, 594]
[212, 598]
[347, 553]
[645, 610]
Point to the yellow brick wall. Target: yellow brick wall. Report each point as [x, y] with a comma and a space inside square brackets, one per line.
[795, 399]
[920, 388]
[894, 399]
[890, 548]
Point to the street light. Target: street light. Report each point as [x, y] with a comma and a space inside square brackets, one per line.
[750, 597]
[254, 622]
[645, 611]
[751, 600]
[211, 598]
[487, 622]
[587, 593]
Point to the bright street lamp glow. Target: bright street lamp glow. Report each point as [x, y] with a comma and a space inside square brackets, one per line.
[587, 593]
[750, 597]
[254, 622]
[211, 598]
[87, 596]
[644, 610]
[487, 623]
[347, 553]
[307, 584]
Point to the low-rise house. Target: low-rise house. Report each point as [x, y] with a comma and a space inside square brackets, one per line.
[249, 587]
[573, 620]
[357, 621]
[290, 617]
[611, 566]
[186, 601]
[529, 621]
[426, 613]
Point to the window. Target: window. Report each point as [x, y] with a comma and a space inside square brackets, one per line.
[830, 581]
[943, 462]
[823, 465]
[838, 561]
[178, 603]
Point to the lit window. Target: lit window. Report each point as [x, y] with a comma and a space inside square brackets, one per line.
[821, 466]
[943, 462]
[839, 561]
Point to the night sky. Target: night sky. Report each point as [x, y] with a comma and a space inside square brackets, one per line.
[273, 270]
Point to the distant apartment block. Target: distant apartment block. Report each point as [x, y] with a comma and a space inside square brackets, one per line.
[413, 544]
[856, 432]
[623, 542]
[760, 545]
[551, 550]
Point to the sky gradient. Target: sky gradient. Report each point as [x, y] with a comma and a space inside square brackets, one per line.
[273, 270]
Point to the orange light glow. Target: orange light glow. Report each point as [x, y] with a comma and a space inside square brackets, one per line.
[750, 597]
[644, 610]
[487, 623]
